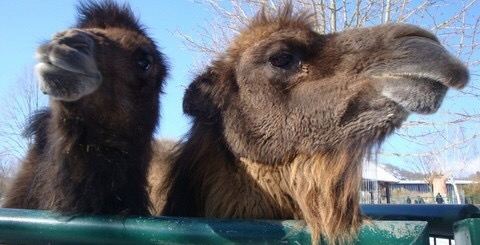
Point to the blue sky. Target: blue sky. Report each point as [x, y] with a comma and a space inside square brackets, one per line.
[25, 24]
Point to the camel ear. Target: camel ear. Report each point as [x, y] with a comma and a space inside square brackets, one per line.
[206, 95]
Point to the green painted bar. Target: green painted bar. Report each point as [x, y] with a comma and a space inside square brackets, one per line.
[440, 218]
[43, 227]
[467, 232]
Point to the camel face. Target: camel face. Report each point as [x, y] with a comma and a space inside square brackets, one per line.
[283, 90]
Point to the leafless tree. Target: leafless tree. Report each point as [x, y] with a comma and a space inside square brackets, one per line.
[453, 157]
[456, 22]
[452, 153]
[19, 103]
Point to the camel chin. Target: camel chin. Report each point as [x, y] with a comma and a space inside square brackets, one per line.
[65, 85]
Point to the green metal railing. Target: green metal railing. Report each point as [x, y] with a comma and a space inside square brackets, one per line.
[467, 232]
[458, 222]
[440, 217]
[43, 227]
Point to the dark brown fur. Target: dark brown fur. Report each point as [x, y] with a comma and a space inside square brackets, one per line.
[273, 141]
[91, 154]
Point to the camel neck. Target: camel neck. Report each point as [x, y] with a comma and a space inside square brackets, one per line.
[95, 132]
[275, 183]
[208, 180]
[312, 187]
[95, 161]
[307, 187]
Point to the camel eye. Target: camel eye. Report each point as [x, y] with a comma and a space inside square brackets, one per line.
[282, 60]
[144, 62]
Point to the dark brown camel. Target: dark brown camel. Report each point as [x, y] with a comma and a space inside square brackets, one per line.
[283, 119]
[92, 145]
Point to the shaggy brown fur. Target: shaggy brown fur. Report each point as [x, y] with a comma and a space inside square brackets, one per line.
[283, 120]
[161, 151]
[92, 146]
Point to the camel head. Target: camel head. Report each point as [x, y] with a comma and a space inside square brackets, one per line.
[284, 95]
[105, 61]
[281, 89]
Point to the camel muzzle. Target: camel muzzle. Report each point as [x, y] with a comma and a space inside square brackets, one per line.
[67, 69]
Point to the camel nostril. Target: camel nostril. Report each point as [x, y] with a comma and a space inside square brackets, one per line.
[410, 31]
[77, 40]
[82, 47]
[424, 35]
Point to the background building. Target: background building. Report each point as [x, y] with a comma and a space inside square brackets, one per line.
[382, 186]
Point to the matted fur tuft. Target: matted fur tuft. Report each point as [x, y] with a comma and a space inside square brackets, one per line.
[326, 187]
[267, 22]
[284, 16]
[107, 14]
[37, 123]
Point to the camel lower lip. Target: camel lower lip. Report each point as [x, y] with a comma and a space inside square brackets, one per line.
[65, 84]
[414, 93]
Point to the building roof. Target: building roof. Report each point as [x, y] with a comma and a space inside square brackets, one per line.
[374, 171]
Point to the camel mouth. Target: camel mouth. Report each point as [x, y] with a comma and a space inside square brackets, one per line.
[63, 67]
[415, 93]
[64, 84]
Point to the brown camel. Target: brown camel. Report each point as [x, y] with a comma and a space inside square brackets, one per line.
[92, 145]
[283, 119]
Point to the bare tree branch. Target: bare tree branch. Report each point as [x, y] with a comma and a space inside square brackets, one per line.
[21, 102]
